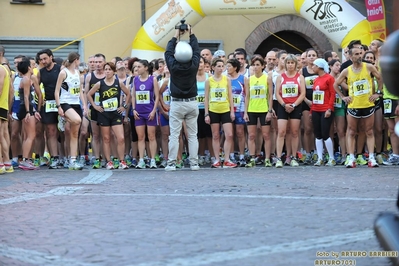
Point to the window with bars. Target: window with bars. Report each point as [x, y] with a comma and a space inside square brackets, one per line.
[35, 2]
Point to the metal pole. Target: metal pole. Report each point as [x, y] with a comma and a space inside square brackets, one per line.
[143, 18]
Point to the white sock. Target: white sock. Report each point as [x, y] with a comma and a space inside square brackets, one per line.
[371, 155]
[319, 148]
[330, 148]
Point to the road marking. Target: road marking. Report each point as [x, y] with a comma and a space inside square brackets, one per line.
[94, 177]
[35, 257]
[302, 245]
[60, 191]
[236, 196]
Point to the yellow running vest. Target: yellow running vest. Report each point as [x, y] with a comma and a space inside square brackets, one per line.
[360, 88]
[218, 95]
[258, 94]
[6, 90]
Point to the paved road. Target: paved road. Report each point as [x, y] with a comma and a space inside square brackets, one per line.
[211, 217]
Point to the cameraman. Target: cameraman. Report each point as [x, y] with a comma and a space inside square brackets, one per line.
[183, 89]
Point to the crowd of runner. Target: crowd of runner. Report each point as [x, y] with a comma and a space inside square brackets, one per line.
[281, 109]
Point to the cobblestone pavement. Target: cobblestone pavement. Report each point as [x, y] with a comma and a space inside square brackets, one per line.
[209, 217]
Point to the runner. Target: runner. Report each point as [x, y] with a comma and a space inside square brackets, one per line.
[290, 88]
[110, 112]
[145, 98]
[322, 110]
[48, 75]
[27, 112]
[258, 98]
[360, 102]
[68, 92]
[219, 108]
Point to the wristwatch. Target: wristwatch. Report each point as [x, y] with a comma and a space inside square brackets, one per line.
[57, 105]
[293, 105]
[124, 106]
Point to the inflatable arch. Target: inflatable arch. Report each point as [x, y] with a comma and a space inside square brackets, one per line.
[335, 18]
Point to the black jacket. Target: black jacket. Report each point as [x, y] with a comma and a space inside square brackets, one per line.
[183, 76]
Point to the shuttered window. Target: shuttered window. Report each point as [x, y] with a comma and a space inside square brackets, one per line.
[30, 48]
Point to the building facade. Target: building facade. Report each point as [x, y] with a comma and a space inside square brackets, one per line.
[109, 27]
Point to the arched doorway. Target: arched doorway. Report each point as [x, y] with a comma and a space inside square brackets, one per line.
[284, 24]
[290, 37]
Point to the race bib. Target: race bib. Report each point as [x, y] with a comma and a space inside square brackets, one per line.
[218, 94]
[360, 87]
[201, 99]
[258, 92]
[166, 99]
[236, 100]
[290, 90]
[338, 101]
[110, 105]
[387, 106]
[51, 106]
[97, 98]
[318, 97]
[142, 97]
[16, 95]
[309, 82]
[74, 91]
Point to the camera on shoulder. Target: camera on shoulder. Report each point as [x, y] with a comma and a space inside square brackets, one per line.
[183, 26]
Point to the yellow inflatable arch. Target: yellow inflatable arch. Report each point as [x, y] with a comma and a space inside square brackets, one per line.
[335, 18]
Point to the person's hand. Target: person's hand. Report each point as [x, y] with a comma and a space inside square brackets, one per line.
[190, 29]
[60, 111]
[98, 108]
[374, 97]
[38, 116]
[269, 116]
[207, 120]
[289, 108]
[327, 114]
[136, 115]
[151, 116]
[246, 118]
[232, 116]
[85, 111]
[397, 110]
[121, 109]
[347, 99]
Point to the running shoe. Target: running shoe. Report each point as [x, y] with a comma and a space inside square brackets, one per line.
[116, 163]
[319, 163]
[97, 164]
[3, 170]
[331, 162]
[109, 165]
[153, 164]
[351, 163]
[180, 164]
[279, 163]
[27, 165]
[123, 165]
[216, 164]
[75, 166]
[294, 163]
[54, 163]
[141, 164]
[163, 164]
[379, 159]
[134, 163]
[128, 160]
[372, 162]
[8, 168]
[229, 164]
[170, 167]
[268, 163]
[360, 160]
[251, 163]
[194, 167]
[392, 160]
[287, 161]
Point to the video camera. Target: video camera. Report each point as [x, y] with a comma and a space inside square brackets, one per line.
[183, 26]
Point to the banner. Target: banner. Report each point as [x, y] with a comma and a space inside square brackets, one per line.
[376, 17]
